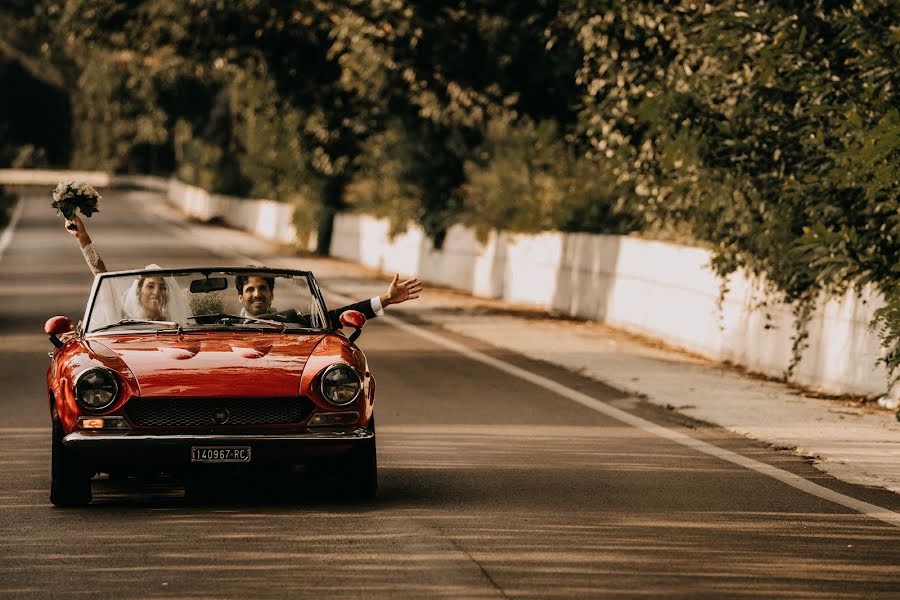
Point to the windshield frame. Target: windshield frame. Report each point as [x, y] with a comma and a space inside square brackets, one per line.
[100, 277]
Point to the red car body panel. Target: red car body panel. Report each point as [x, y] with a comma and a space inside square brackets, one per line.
[207, 365]
[215, 364]
[76, 356]
[329, 348]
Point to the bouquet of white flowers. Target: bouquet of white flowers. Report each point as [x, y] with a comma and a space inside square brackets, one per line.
[70, 196]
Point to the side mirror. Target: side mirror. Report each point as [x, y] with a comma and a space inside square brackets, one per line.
[355, 319]
[56, 326]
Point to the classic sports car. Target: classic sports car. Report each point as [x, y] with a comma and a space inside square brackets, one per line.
[202, 382]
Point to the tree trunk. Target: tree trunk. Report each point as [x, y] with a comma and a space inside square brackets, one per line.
[332, 202]
[324, 231]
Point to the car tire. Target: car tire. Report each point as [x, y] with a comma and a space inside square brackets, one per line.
[70, 481]
[360, 473]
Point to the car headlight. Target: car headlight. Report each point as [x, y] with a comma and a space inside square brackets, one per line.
[96, 389]
[340, 384]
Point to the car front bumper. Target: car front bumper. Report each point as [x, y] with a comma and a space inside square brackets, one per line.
[105, 449]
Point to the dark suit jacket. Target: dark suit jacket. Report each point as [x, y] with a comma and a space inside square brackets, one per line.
[292, 316]
[363, 306]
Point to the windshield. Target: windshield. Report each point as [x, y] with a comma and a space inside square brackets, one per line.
[205, 300]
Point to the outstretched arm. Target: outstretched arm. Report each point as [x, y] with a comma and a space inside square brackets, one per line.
[397, 292]
[75, 227]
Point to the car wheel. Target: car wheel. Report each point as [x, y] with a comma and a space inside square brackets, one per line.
[360, 474]
[70, 481]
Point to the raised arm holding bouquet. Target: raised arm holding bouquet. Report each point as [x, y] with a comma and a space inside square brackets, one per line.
[75, 227]
[70, 197]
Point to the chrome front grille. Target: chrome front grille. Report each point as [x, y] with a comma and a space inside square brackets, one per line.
[206, 412]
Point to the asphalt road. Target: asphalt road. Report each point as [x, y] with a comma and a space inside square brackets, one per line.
[491, 486]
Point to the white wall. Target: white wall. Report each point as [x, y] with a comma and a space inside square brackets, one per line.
[661, 290]
[266, 218]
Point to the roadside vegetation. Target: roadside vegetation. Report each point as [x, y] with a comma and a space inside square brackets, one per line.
[767, 131]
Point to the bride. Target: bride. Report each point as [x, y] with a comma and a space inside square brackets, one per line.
[149, 297]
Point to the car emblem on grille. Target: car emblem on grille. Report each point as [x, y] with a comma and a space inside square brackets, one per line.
[220, 416]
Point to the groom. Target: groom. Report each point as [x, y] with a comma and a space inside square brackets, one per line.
[256, 293]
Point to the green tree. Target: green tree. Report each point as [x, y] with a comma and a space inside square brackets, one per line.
[748, 121]
[441, 74]
[134, 56]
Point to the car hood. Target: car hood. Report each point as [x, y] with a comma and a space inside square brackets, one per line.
[229, 365]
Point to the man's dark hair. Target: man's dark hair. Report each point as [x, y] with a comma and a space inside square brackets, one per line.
[241, 280]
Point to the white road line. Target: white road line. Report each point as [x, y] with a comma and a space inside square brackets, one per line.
[6, 237]
[795, 481]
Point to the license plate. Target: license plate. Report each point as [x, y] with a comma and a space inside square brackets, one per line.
[220, 454]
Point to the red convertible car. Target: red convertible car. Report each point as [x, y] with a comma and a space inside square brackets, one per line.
[178, 371]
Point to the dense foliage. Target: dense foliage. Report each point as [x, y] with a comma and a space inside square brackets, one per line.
[769, 127]
[768, 131]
